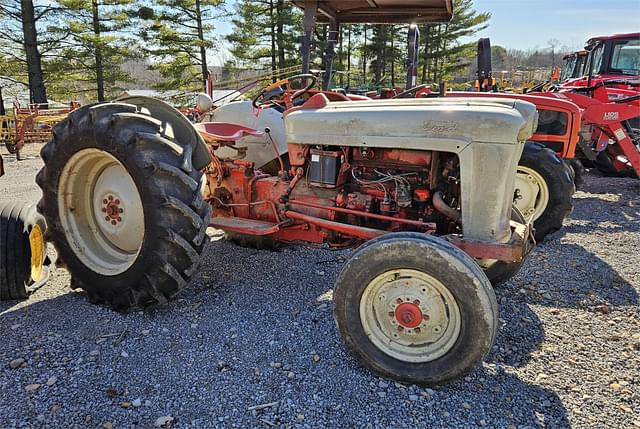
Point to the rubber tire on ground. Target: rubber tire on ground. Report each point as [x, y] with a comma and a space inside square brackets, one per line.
[561, 187]
[175, 214]
[451, 266]
[501, 271]
[605, 165]
[17, 220]
[578, 172]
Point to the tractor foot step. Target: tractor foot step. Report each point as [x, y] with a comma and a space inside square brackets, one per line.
[244, 226]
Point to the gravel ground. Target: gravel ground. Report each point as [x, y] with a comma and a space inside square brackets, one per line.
[252, 342]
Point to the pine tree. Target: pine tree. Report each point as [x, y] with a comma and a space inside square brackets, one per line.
[99, 43]
[179, 33]
[442, 54]
[26, 41]
[265, 34]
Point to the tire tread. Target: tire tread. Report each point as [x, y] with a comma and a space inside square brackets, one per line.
[179, 212]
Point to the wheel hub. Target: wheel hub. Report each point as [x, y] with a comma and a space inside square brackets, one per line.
[410, 315]
[115, 194]
[111, 208]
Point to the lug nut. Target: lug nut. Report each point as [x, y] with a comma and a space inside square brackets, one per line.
[391, 314]
[110, 197]
[399, 300]
[113, 222]
[416, 302]
[425, 316]
[120, 211]
[107, 218]
[119, 219]
[417, 330]
[105, 201]
[400, 328]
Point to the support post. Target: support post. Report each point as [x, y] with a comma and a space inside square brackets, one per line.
[413, 44]
[332, 39]
[308, 24]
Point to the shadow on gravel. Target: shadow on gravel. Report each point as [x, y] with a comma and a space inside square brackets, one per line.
[561, 272]
[528, 404]
[205, 361]
[567, 275]
[603, 216]
[521, 333]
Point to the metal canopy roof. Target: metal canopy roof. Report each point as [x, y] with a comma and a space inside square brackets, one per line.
[380, 11]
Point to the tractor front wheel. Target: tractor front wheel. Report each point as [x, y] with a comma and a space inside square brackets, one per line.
[544, 189]
[415, 308]
[123, 205]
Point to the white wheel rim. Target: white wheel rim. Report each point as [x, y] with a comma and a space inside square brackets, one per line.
[101, 211]
[532, 193]
[410, 315]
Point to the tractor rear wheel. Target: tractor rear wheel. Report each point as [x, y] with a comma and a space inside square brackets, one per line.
[544, 189]
[22, 250]
[123, 205]
[415, 308]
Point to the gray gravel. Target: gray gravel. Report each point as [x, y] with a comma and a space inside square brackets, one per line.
[256, 328]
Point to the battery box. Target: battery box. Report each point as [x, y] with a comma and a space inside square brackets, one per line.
[325, 168]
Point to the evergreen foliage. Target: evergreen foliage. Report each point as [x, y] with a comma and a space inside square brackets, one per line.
[178, 34]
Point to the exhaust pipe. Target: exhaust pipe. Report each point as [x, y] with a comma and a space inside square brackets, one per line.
[444, 208]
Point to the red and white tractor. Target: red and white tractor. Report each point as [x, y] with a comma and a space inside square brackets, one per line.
[127, 206]
[421, 188]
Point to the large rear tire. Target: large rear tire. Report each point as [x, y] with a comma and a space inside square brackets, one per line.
[415, 308]
[544, 189]
[22, 250]
[123, 205]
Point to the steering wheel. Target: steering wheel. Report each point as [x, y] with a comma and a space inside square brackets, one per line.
[411, 92]
[281, 94]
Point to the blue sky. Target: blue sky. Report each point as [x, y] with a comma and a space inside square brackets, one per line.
[526, 24]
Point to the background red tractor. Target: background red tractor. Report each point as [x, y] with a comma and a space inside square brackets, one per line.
[574, 64]
[609, 98]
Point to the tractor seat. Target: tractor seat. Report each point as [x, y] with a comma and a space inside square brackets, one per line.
[213, 132]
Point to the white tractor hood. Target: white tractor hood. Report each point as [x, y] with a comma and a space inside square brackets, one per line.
[410, 123]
